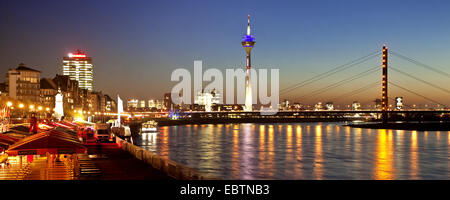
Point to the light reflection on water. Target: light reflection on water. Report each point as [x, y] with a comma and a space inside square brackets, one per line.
[303, 151]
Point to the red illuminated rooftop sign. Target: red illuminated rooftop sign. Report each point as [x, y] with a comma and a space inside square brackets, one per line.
[78, 55]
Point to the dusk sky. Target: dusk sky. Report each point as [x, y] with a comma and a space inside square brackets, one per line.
[135, 45]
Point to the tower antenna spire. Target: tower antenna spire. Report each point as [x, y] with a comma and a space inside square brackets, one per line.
[248, 25]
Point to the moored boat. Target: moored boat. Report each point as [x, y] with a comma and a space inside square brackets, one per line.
[149, 126]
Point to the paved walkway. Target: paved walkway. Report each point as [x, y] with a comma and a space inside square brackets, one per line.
[42, 169]
[116, 164]
[103, 162]
[14, 170]
[39, 168]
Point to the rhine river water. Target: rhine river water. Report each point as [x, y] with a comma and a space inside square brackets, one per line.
[303, 151]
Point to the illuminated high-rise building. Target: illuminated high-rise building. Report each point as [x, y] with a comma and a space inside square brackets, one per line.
[318, 106]
[132, 104]
[207, 99]
[159, 104]
[356, 105]
[399, 103]
[151, 103]
[248, 41]
[79, 67]
[142, 104]
[329, 106]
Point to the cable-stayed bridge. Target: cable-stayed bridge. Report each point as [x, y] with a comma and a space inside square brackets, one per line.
[384, 110]
[359, 80]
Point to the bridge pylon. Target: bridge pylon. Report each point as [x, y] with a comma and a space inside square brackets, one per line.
[384, 85]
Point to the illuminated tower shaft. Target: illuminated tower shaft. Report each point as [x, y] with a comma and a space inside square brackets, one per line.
[248, 86]
[248, 41]
[384, 85]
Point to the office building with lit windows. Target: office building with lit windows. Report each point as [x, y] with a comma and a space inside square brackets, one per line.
[79, 67]
[132, 104]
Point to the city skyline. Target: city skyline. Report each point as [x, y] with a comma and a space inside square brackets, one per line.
[174, 91]
[316, 42]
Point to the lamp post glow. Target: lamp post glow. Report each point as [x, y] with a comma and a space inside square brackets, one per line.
[9, 103]
[21, 108]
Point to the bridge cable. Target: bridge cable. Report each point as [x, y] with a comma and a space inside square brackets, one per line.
[419, 79]
[357, 91]
[330, 72]
[445, 106]
[420, 64]
[342, 82]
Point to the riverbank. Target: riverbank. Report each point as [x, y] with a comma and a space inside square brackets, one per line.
[170, 122]
[432, 126]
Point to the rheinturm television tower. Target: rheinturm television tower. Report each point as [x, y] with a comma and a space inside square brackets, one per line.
[248, 41]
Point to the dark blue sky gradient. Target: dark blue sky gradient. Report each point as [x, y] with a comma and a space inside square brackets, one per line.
[136, 45]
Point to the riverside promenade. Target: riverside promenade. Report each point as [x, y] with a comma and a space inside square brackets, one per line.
[59, 153]
[102, 162]
[116, 164]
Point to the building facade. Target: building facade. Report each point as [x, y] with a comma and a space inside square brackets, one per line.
[48, 92]
[207, 99]
[110, 104]
[168, 105]
[3, 93]
[356, 105]
[151, 103]
[132, 104]
[70, 91]
[159, 104]
[142, 104]
[23, 84]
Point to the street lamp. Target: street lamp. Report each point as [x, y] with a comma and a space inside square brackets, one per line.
[31, 107]
[9, 104]
[23, 112]
[40, 108]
